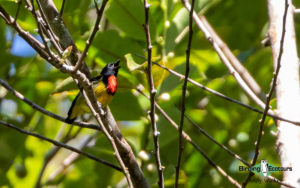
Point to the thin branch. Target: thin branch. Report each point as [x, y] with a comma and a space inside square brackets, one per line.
[40, 17]
[40, 31]
[96, 5]
[56, 26]
[189, 140]
[216, 142]
[62, 7]
[183, 95]
[44, 26]
[44, 111]
[18, 10]
[24, 34]
[152, 91]
[269, 95]
[59, 144]
[91, 38]
[217, 167]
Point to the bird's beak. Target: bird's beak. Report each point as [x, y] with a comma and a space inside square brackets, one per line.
[116, 64]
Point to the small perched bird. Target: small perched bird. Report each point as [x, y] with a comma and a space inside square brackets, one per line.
[104, 85]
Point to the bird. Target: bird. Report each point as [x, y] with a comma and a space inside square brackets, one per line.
[105, 86]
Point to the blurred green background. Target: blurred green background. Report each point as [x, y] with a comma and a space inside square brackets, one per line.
[241, 24]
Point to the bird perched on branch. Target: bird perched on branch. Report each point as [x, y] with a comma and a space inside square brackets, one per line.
[104, 85]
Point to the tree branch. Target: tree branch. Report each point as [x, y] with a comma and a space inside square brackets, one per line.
[91, 38]
[59, 144]
[183, 95]
[44, 111]
[152, 91]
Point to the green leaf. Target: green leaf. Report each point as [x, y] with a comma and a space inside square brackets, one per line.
[128, 16]
[112, 46]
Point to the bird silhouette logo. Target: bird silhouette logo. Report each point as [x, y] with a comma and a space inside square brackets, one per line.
[264, 167]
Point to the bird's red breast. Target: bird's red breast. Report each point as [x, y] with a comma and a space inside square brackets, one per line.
[112, 84]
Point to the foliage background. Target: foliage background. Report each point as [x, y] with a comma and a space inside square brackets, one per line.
[241, 24]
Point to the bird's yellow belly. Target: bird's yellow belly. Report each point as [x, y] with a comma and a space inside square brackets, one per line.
[104, 98]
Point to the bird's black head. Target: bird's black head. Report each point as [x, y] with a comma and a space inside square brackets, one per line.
[111, 69]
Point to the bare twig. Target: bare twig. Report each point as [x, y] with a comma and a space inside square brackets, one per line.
[62, 7]
[44, 111]
[96, 5]
[217, 167]
[187, 71]
[56, 26]
[17, 12]
[43, 24]
[269, 95]
[216, 142]
[39, 25]
[59, 144]
[25, 35]
[152, 91]
[91, 38]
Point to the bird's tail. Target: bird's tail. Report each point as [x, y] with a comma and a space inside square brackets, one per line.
[69, 120]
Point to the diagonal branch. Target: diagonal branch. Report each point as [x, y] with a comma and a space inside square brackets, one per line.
[44, 111]
[91, 38]
[59, 144]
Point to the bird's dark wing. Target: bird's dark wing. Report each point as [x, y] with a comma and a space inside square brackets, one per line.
[96, 79]
[68, 119]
